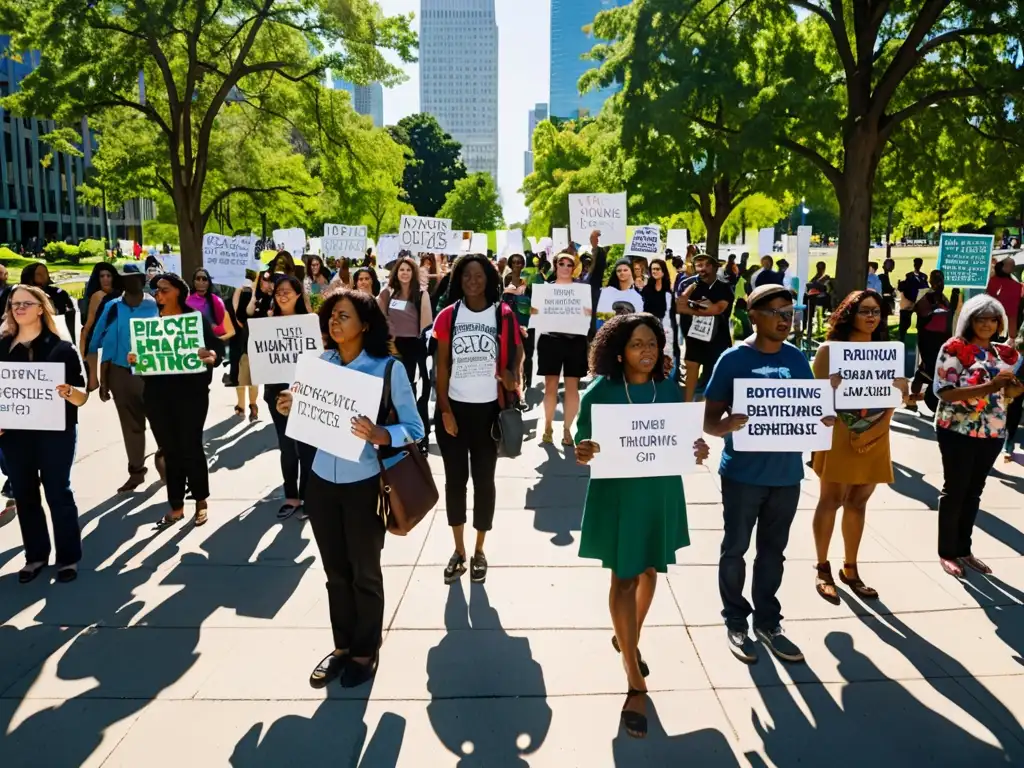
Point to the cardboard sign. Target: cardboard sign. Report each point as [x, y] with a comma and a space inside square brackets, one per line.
[766, 241]
[868, 370]
[533, 243]
[315, 246]
[648, 440]
[646, 242]
[341, 241]
[277, 343]
[678, 242]
[965, 259]
[785, 415]
[387, 250]
[325, 399]
[227, 258]
[478, 244]
[168, 344]
[422, 234]
[560, 239]
[292, 240]
[171, 262]
[544, 245]
[28, 396]
[561, 308]
[605, 212]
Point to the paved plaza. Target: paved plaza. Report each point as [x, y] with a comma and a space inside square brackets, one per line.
[192, 647]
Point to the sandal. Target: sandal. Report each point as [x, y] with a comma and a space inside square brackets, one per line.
[328, 669]
[239, 411]
[975, 564]
[644, 669]
[286, 511]
[634, 723]
[200, 518]
[170, 519]
[254, 413]
[951, 567]
[855, 583]
[546, 437]
[825, 584]
[29, 572]
[67, 573]
[567, 440]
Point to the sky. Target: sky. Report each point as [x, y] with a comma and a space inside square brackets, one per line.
[524, 34]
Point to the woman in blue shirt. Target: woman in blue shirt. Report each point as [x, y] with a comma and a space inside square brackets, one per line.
[343, 497]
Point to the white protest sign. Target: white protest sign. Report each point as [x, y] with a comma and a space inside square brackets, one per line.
[533, 243]
[456, 239]
[559, 239]
[315, 246]
[171, 262]
[646, 440]
[342, 241]
[423, 234]
[28, 396]
[501, 242]
[605, 212]
[514, 243]
[544, 245]
[613, 301]
[478, 244]
[277, 343]
[702, 328]
[325, 398]
[561, 308]
[127, 247]
[678, 242]
[227, 258]
[766, 241]
[783, 408]
[292, 240]
[387, 250]
[868, 370]
[646, 242]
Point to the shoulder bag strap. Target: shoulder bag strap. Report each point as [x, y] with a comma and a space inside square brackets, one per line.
[385, 406]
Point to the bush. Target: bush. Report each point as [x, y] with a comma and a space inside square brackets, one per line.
[90, 249]
[61, 252]
[6, 254]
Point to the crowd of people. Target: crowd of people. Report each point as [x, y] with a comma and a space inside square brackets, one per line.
[674, 329]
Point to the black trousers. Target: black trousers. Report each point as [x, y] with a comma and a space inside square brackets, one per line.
[177, 424]
[412, 351]
[296, 458]
[471, 450]
[966, 462]
[529, 343]
[906, 316]
[350, 536]
[1013, 414]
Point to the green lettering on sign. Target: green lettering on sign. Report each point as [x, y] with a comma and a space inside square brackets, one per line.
[169, 344]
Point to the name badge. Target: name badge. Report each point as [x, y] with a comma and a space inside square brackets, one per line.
[702, 328]
[399, 305]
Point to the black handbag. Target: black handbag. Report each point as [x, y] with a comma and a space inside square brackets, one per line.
[507, 430]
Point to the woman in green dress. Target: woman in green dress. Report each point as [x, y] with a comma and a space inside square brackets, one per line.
[633, 526]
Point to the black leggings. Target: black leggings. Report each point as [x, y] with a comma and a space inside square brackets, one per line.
[474, 449]
[177, 424]
[413, 353]
[528, 345]
[966, 462]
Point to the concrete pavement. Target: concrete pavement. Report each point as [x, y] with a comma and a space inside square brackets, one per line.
[193, 646]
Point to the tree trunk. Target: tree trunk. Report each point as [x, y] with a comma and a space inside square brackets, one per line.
[713, 237]
[190, 235]
[855, 205]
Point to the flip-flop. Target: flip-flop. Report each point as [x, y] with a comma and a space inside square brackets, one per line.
[168, 520]
[200, 516]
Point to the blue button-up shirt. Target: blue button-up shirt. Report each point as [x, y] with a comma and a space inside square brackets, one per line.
[116, 339]
[409, 428]
[874, 283]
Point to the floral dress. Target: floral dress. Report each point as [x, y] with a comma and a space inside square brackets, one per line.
[962, 364]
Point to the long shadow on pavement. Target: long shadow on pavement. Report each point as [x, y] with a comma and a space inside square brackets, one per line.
[554, 510]
[707, 748]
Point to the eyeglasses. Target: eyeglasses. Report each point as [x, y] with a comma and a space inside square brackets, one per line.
[869, 312]
[782, 314]
[16, 305]
[201, 279]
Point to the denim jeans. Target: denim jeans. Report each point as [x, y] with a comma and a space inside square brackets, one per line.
[47, 456]
[772, 510]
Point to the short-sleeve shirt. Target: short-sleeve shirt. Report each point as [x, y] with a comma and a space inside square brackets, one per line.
[475, 349]
[714, 293]
[962, 364]
[747, 362]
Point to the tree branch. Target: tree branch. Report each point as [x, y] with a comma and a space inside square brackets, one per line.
[837, 27]
[248, 191]
[833, 174]
[891, 122]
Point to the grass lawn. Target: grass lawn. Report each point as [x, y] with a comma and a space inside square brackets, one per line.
[903, 256]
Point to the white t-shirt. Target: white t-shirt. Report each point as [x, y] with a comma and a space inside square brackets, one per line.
[474, 357]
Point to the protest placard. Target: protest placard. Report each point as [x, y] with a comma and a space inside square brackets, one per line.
[646, 242]
[171, 262]
[501, 242]
[545, 246]
[292, 240]
[28, 396]
[478, 244]
[678, 242]
[315, 246]
[227, 258]
[559, 239]
[168, 344]
[423, 234]
[648, 440]
[965, 259]
[868, 370]
[785, 415]
[325, 398]
[561, 308]
[766, 241]
[604, 212]
[514, 242]
[127, 247]
[533, 243]
[342, 241]
[387, 250]
[277, 343]
[458, 241]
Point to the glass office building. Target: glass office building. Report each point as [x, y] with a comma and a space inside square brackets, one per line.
[366, 99]
[568, 44]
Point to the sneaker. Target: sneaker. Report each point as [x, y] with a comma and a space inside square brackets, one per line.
[781, 646]
[742, 646]
[455, 568]
[478, 568]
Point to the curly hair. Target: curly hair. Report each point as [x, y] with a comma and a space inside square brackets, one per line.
[492, 290]
[612, 338]
[376, 337]
[845, 314]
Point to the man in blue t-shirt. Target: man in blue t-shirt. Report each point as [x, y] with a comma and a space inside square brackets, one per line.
[757, 488]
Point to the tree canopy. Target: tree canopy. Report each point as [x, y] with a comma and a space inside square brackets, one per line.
[473, 204]
[433, 162]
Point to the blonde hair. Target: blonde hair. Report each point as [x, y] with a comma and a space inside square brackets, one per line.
[49, 318]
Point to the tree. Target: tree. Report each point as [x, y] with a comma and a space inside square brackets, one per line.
[195, 58]
[473, 204]
[433, 162]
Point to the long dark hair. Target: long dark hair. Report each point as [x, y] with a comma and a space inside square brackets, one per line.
[376, 339]
[374, 280]
[610, 345]
[613, 278]
[492, 291]
[208, 298]
[28, 274]
[116, 284]
[342, 274]
[666, 285]
[300, 303]
[395, 287]
[321, 272]
[177, 282]
[844, 315]
[289, 262]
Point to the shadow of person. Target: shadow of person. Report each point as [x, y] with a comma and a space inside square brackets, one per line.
[233, 450]
[1003, 605]
[707, 748]
[911, 483]
[488, 701]
[557, 497]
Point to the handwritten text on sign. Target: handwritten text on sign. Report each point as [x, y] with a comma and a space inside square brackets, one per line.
[28, 396]
[646, 242]
[784, 416]
[325, 399]
[277, 343]
[603, 212]
[227, 258]
[868, 370]
[561, 308]
[964, 259]
[168, 344]
[341, 241]
[422, 234]
[649, 440]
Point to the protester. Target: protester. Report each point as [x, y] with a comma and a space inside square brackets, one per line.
[176, 405]
[239, 375]
[344, 496]
[633, 526]
[859, 458]
[365, 279]
[479, 356]
[1004, 288]
[203, 298]
[758, 488]
[934, 326]
[317, 276]
[153, 267]
[639, 272]
[262, 295]
[104, 284]
[874, 282]
[63, 305]
[30, 334]
[975, 382]
[1014, 410]
[888, 291]
[518, 294]
[620, 296]
[910, 286]
[283, 264]
[766, 275]
[429, 275]
[702, 298]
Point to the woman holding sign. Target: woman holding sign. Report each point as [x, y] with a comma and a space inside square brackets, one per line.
[634, 526]
[30, 335]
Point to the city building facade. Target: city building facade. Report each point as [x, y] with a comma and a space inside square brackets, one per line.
[568, 45]
[538, 114]
[366, 99]
[459, 76]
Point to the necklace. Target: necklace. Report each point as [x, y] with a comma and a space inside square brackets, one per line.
[653, 386]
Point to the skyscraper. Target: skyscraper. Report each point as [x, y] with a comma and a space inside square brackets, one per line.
[459, 76]
[366, 99]
[568, 44]
[537, 114]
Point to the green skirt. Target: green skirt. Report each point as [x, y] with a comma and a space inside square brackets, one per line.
[631, 525]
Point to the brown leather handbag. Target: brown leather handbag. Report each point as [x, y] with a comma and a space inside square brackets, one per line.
[407, 489]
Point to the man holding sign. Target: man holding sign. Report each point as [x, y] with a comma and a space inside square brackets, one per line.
[758, 488]
[705, 303]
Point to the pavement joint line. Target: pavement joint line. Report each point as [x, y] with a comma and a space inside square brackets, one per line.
[412, 572]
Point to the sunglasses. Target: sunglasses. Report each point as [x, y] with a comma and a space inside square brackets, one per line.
[782, 314]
